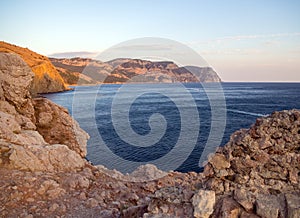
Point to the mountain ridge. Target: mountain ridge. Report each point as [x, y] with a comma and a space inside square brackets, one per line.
[122, 70]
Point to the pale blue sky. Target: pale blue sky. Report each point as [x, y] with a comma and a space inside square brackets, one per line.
[254, 40]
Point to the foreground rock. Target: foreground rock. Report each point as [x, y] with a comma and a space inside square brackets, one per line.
[258, 170]
[46, 79]
[44, 173]
[35, 134]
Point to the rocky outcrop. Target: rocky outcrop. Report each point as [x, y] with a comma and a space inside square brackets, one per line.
[46, 78]
[88, 71]
[35, 134]
[258, 170]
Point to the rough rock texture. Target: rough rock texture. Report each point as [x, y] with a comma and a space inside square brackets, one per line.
[26, 139]
[203, 203]
[56, 126]
[46, 79]
[259, 168]
[43, 172]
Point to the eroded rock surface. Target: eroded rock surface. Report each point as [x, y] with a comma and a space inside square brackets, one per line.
[258, 165]
[46, 79]
[35, 134]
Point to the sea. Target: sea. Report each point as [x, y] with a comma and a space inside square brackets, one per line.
[174, 126]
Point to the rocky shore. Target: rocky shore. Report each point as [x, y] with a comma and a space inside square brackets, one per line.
[44, 173]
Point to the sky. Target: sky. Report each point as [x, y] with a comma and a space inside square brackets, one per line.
[249, 40]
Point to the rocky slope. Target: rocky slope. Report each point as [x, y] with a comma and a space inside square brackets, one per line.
[72, 70]
[130, 70]
[46, 79]
[44, 173]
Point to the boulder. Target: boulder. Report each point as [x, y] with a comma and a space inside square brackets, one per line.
[203, 202]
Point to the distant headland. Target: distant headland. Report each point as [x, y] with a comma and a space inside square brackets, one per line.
[54, 75]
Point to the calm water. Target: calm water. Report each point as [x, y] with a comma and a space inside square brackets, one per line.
[99, 110]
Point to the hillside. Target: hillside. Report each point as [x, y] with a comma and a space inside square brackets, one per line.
[46, 78]
[71, 70]
[129, 70]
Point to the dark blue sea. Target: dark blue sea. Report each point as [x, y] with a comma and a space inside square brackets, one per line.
[169, 125]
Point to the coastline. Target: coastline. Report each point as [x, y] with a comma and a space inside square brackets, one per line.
[43, 149]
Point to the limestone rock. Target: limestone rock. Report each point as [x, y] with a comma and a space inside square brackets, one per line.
[293, 205]
[267, 206]
[219, 162]
[57, 127]
[16, 78]
[35, 134]
[147, 172]
[227, 208]
[46, 78]
[244, 198]
[44, 158]
[203, 203]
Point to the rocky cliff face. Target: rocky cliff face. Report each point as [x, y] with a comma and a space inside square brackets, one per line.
[130, 70]
[72, 70]
[43, 172]
[46, 79]
[35, 134]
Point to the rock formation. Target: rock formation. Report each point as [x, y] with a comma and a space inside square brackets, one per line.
[46, 78]
[258, 170]
[130, 70]
[36, 134]
[44, 173]
[72, 70]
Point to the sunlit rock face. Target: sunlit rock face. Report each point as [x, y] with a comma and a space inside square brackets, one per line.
[35, 134]
[46, 78]
[123, 70]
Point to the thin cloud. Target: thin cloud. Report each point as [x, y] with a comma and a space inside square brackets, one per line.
[82, 54]
[243, 37]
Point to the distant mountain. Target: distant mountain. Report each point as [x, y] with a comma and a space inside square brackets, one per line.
[46, 78]
[129, 70]
[71, 70]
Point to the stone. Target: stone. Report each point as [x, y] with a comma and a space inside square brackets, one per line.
[242, 196]
[147, 172]
[203, 203]
[293, 205]
[227, 208]
[45, 158]
[82, 196]
[245, 214]
[53, 207]
[135, 211]
[219, 162]
[106, 214]
[267, 206]
[91, 202]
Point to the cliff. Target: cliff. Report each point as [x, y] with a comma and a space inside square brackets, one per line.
[44, 173]
[46, 79]
[72, 70]
[130, 70]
